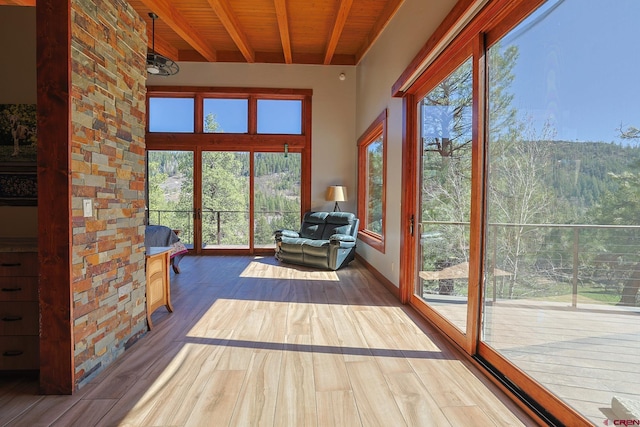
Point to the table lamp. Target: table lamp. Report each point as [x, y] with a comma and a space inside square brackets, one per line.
[336, 193]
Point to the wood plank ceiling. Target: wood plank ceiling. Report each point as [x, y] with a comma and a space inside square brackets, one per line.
[271, 31]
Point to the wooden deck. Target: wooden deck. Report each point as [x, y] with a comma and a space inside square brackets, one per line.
[586, 355]
[254, 342]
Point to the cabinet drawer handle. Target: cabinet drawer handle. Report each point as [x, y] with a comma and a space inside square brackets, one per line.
[13, 353]
[10, 264]
[11, 318]
[11, 289]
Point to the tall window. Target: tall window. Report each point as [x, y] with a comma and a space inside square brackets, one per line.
[372, 149]
[445, 195]
[170, 191]
[225, 199]
[535, 255]
[563, 232]
[227, 167]
[276, 195]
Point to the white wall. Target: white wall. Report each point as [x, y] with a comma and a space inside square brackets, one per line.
[401, 40]
[334, 150]
[18, 86]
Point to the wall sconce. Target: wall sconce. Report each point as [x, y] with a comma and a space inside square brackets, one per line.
[336, 193]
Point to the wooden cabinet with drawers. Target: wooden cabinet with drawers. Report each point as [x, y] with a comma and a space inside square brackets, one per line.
[19, 317]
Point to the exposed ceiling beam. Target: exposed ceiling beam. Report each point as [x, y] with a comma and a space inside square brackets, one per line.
[17, 2]
[175, 18]
[272, 57]
[388, 12]
[341, 19]
[230, 22]
[181, 26]
[283, 26]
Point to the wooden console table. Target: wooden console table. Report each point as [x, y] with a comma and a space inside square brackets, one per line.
[158, 285]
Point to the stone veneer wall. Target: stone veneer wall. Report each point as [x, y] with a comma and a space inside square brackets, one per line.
[108, 51]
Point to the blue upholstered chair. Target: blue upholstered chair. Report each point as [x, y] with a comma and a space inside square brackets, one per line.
[326, 240]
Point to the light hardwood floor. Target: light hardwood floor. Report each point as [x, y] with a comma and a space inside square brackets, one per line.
[255, 342]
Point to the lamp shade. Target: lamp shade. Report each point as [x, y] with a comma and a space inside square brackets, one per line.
[337, 193]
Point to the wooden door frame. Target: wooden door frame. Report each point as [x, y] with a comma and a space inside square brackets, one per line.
[441, 69]
[57, 364]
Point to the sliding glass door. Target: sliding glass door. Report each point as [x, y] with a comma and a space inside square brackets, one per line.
[523, 224]
[276, 195]
[225, 212]
[246, 196]
[562, 263]
[445, 196]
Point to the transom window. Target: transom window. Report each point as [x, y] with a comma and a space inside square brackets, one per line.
[171, 114]
[247, 113]
[280, 116]
[223, 115]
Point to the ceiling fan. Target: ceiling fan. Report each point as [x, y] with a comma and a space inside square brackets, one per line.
[157, 64]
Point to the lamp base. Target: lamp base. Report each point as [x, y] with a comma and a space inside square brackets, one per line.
[336, 208]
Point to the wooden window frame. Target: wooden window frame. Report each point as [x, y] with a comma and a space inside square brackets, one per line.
[374, 131]
[466, 338]
[251, 142]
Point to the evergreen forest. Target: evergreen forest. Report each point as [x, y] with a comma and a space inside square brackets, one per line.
[225, 195]
[561, 216]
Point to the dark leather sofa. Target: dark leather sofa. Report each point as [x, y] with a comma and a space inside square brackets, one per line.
[326, 240]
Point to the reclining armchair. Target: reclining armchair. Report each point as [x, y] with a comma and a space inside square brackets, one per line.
[326, 240]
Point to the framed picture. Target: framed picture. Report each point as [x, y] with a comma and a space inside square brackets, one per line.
[18, 139]
[18, 184]
[18, 155]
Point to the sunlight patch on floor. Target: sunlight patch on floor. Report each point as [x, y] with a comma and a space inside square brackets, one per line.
[260, 268]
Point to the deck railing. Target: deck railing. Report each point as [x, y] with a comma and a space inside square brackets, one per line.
[224, 227]
[537, 260]
[544, 260]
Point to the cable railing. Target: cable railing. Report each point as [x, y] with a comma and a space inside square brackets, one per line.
[600, 262]
[225, 227]
[590, 262]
